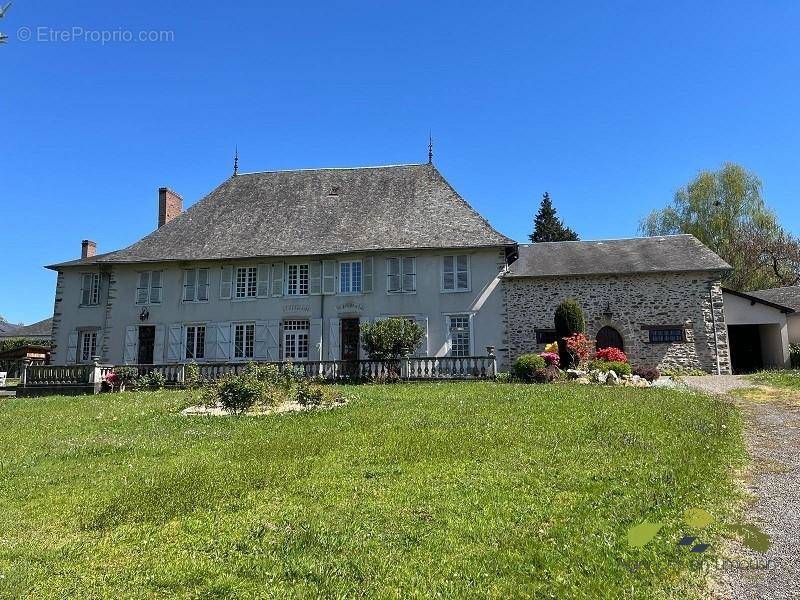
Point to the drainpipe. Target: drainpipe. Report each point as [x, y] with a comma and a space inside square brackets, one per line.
[322, 324]
[714, 325]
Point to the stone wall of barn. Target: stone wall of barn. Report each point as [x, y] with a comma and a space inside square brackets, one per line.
[631, 304]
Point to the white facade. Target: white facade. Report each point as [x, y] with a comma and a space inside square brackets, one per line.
[275, 309]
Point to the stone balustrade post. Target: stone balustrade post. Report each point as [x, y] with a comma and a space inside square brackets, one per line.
[490, 351]
[26, 362]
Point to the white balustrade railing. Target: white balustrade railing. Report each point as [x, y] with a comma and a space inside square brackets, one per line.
[408, 369]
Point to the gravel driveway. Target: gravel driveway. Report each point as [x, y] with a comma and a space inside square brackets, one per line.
[773, 439]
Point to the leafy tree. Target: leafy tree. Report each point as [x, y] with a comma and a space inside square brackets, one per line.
[390, 339]
[547, 227]
[724, 209]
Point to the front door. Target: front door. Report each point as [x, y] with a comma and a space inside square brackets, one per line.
[147, 344]
[608, 337]
[351, 339]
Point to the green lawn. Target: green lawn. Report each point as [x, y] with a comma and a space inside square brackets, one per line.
[455, 490]
[783, 379]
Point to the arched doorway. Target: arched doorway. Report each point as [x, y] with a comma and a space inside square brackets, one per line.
[608, 337]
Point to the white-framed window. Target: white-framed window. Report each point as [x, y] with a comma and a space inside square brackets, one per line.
[297, 280]
[459, 334]
[194, 342]
[350, 277]
[88, 346]
[195, 285]
[149, 288]
[244, 337]
[455, 273]
[90, 289]
[295, 339]
[401, 275]
[246, 282]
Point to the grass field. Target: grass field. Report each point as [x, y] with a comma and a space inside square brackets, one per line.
[455, 490]
[782, 379]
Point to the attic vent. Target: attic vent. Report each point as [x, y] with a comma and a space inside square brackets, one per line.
[334, 191]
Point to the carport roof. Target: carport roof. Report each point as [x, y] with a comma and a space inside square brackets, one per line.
[755, 299]
[785, 296]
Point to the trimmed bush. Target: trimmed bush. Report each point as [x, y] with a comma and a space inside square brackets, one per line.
[648, 373]
[526, 365]
[620, 368]
[569, 319]
[391, 338]
[794, 353]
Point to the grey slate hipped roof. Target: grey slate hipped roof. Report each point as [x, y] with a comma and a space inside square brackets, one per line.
[671, 253]
[314, 212]
[784, 296]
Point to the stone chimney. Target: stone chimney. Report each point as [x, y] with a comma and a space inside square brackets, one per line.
[88, 249]
[170, 205]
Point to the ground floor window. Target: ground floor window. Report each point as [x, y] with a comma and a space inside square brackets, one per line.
[459, 334]
[546, 336]
[244, 335]
[88, 345]
[195, 342]
[667, 334]
[295, 340]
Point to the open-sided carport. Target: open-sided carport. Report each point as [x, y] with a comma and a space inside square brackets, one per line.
[758, 333]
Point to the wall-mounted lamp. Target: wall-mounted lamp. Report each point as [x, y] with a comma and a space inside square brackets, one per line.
[144, 315]
[607, 312]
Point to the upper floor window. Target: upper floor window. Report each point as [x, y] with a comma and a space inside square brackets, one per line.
[455, 273]
[244, 337]
[149, 288]
[350, 277]
[246, 282]
[195, 285]
[195, 342]
[88, 346]
[297, 280]
[401, 275]
[667, 334]
[90, 289]
[459, 335]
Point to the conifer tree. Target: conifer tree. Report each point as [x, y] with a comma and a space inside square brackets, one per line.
[547, 227]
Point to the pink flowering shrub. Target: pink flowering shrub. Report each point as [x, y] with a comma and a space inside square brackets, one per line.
[611, 355]
[551, 358]
[580, 348]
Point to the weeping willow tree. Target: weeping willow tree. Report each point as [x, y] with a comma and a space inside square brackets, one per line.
[725, 209]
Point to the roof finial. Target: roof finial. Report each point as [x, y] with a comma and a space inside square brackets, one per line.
[236, 162]
[430, 148]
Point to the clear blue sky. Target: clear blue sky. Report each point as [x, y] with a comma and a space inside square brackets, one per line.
[608, 106]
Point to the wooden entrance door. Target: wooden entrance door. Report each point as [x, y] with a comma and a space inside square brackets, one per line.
[608, 337]
[147, 344]
[351, 339]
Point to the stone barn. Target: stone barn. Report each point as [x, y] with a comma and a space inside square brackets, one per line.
[659, 299]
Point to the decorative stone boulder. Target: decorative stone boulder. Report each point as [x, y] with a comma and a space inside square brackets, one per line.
[576, 373]
[612, 378]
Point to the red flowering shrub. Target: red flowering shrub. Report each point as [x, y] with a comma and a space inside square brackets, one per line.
[611, 355]
[580, 348]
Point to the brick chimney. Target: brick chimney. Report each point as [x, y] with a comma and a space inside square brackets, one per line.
[170, 205]
[88, 249]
